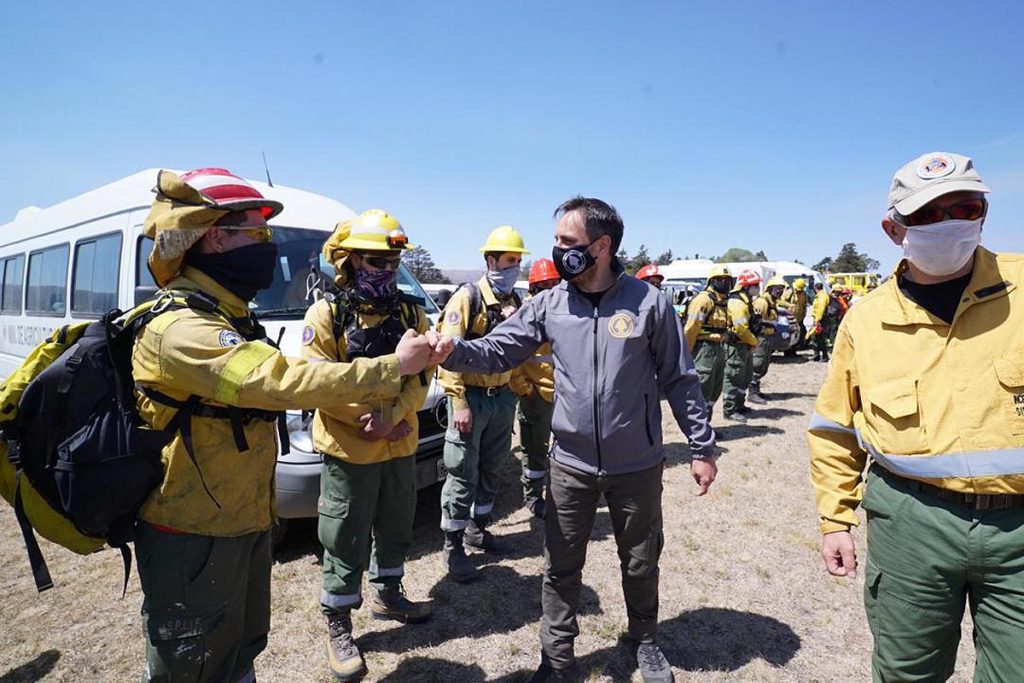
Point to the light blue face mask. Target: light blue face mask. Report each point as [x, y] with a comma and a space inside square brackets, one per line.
[503, 281]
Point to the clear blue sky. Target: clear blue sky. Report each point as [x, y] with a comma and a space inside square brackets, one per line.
[764, 125]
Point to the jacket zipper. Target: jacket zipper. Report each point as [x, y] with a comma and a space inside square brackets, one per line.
[647, 419]
[597, 423]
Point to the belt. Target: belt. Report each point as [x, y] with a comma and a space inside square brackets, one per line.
[489, 391]
[708, 341]
[976, 501]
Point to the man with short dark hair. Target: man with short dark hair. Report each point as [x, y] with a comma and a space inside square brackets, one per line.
[616, 345]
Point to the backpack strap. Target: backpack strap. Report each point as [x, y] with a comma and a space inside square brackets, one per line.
[40, 572]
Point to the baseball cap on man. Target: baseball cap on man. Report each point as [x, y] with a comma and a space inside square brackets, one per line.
[930, 176]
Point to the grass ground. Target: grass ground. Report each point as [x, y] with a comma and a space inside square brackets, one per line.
[744, 596]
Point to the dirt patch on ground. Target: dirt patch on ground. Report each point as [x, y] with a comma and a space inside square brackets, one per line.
[743, 593]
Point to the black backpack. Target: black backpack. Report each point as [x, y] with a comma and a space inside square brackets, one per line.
[476, 304]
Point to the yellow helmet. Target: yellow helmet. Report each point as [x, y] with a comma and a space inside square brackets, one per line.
[775, 282]
[719, 271]
[504, 239]
[375, 230]
[799, 284]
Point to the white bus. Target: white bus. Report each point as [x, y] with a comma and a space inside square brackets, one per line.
[80, 258]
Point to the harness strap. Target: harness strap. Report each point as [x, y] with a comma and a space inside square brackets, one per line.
[40, 572]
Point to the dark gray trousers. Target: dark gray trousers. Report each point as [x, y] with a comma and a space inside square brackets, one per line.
[634, 504]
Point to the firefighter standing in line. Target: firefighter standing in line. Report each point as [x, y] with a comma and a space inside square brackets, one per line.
[706, 329]
[765, 308]
[368, 485]
[826, 319]
[739, 362]
[481, 409]
[651, 275]
[925, 390]
[534, 383]
[793, 303]
[204, 537]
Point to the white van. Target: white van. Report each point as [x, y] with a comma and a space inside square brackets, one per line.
[80, 258]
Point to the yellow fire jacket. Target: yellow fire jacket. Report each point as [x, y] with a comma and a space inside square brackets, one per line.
[455, 323]
[794, 304]
[764, 306]
[337, 430]
[943, 404]
[739, 312]
[537, 373]
[707, 318]
[185, 353]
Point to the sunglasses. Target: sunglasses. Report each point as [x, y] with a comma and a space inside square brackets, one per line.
[383, 262]
[969, 210]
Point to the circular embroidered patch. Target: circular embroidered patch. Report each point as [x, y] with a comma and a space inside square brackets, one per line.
[574, 262]
[621, 326]
[453, 318]
[936, 166]
[308, 335]
[230, 338]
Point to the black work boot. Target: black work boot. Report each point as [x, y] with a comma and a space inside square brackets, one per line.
[477, 536]
[654, 668]
[390, 602]
[455, 561]
[546, 673]
[535, 504]
[736, 416]
[342, 654]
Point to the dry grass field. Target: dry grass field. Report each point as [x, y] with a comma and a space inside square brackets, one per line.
[743, 593]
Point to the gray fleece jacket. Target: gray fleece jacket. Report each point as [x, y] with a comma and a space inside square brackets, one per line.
[610, 363]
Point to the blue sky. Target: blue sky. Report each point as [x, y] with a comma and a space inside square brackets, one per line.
[764, 125]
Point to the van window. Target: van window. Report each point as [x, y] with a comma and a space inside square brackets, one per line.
[13, 272]
[96, 274]
[47, 281]
[143, 278]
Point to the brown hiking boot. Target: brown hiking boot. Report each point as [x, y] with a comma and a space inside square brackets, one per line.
[390, 603]
[459, 567]
[342, 654]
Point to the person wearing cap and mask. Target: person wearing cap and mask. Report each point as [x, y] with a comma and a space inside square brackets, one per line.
[925, 390]
[765, 307]
[534, 383]
[707, 329]
[793, 303]
[368, 485]
[827, 312]
[204, 369]
[616, 345]
[481, 409]
[739, 363]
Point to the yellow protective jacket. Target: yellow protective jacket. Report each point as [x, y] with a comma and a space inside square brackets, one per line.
[538, 374]
[739, 311]
[184, 353]
[764, 306]
[337, 430]
[819, 306]
[455, 323]
[707, 318]
[943, 404]
[794, 304]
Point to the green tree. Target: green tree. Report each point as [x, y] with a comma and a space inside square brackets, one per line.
[824, 265]
[850, 260]
[421, 265]
[664, 258]
[738, 255]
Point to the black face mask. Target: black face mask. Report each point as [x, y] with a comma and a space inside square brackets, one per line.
[573, 262]
[242, 271]
[721, 285]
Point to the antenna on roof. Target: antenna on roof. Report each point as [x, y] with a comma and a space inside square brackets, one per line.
[266, 168]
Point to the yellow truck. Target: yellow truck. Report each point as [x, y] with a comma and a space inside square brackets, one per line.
[859, 283]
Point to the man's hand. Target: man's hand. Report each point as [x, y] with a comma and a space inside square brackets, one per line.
[839, 554]
[400, 431]
[704, 472]
[375, 427]
[442, 347]
[508, 311]
[413, 352]
[462, 418]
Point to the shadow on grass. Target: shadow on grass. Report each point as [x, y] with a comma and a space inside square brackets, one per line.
[32, 671]
[786, 395]
[499, 602]
[430, 670]
[741, 431]
[773, 414]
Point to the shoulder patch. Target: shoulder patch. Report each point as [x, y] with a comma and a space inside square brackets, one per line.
[308, 335]
[453, 318]
[230, 338]
[621, 325]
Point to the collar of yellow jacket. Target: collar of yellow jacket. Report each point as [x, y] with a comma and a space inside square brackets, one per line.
[486, 293]
[192, 278]
[986, 284]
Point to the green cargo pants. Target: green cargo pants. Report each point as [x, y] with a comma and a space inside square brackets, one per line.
[762, 358]
[366, 517]
[822, 342]
[535, 437]
[926, 559]
[709, 360]
[739, 368]
[474, 460]
[206, 603]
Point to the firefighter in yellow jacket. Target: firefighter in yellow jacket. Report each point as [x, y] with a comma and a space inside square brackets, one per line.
[739, 363]
[765, 307]
[706, 330]
[793, 303]
[481, 409]
[534, 383]
[925, 389]
[205, 370]
[368, 485]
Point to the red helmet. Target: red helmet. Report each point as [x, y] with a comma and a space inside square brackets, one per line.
[230, 192]
[649, 271]
[748, 278]
[543, 269]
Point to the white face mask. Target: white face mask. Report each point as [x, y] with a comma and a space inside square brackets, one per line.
[942, 248]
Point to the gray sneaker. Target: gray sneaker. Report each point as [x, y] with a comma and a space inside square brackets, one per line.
[654, 668]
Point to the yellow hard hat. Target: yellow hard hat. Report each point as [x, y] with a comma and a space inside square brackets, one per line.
[799, 284]
[775, 282]
[719, 271]
[375, 230]
[504, 239]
